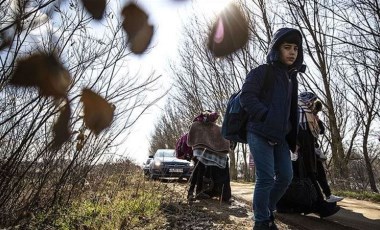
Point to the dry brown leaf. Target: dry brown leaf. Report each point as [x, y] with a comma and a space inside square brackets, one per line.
[229, 33]
[140, 42]
[44, 72]
[61, 130]
[95, 7]
[134, 19]
[98, 113]
[5, 41]
[138, 30]
[26, 71]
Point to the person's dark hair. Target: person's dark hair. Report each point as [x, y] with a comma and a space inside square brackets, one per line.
[292, 38]
[317, 106]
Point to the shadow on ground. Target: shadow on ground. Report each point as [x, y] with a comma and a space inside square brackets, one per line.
[342, 220]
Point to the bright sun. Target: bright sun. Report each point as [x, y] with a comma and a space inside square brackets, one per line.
[213, 7]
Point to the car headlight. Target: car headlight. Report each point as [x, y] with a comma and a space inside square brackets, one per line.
[157, 163]
[191, 164]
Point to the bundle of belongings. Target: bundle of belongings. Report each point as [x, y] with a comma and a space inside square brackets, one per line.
[182, 150]
[210, 151]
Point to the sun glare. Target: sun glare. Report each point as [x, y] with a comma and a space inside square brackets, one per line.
[213, 7]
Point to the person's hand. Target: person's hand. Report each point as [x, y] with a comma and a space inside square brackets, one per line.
[316, 117]
[297, 148]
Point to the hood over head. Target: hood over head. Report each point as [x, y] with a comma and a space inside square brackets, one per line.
[278, 37]
[307, 97]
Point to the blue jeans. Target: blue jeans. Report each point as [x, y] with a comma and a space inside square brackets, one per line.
[273, 174]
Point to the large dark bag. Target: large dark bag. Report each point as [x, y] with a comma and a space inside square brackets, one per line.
[301, 195]
[235, 118]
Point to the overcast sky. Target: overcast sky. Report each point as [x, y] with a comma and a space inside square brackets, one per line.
[168, 17]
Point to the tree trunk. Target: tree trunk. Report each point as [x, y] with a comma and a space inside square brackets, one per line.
[368, 165]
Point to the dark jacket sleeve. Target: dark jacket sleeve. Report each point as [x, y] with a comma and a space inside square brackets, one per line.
[249, 98]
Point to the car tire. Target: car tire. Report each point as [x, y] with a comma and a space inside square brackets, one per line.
[152, 177]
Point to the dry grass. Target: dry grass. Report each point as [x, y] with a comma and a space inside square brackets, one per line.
[116, 198]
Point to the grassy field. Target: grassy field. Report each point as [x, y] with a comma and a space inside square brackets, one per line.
[112, 199]
[370, 196]
[130, 201]
[137, 205]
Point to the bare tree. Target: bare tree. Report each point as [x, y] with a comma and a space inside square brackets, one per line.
[33, 176]
[360, 70]
[170, 127]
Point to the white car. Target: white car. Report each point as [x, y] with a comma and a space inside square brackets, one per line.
[165, 164]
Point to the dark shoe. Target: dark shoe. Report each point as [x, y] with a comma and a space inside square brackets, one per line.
[202, 196]
[272, 224]
[190, 197]
[229, 202]
[265, 225]
[328, 209]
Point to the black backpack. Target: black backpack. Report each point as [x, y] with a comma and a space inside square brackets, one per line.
[235, 117]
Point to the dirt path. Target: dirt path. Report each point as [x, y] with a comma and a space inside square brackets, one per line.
[209, 214]
[354, 214]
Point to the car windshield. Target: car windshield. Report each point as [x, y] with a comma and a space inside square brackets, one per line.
[165, 153]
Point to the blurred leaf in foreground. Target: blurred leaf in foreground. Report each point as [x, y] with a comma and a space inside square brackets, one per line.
[98, 113]
[95, 7]
[138, 30]
[5, 41]
[43, 71]
[61, 129]
[229, 33]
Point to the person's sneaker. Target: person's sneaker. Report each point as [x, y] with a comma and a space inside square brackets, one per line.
[333, 198]
[265, 225]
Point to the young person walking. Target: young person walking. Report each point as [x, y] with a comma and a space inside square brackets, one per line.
[272, 123]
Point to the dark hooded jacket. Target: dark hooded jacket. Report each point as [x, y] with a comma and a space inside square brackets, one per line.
[273, 112]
